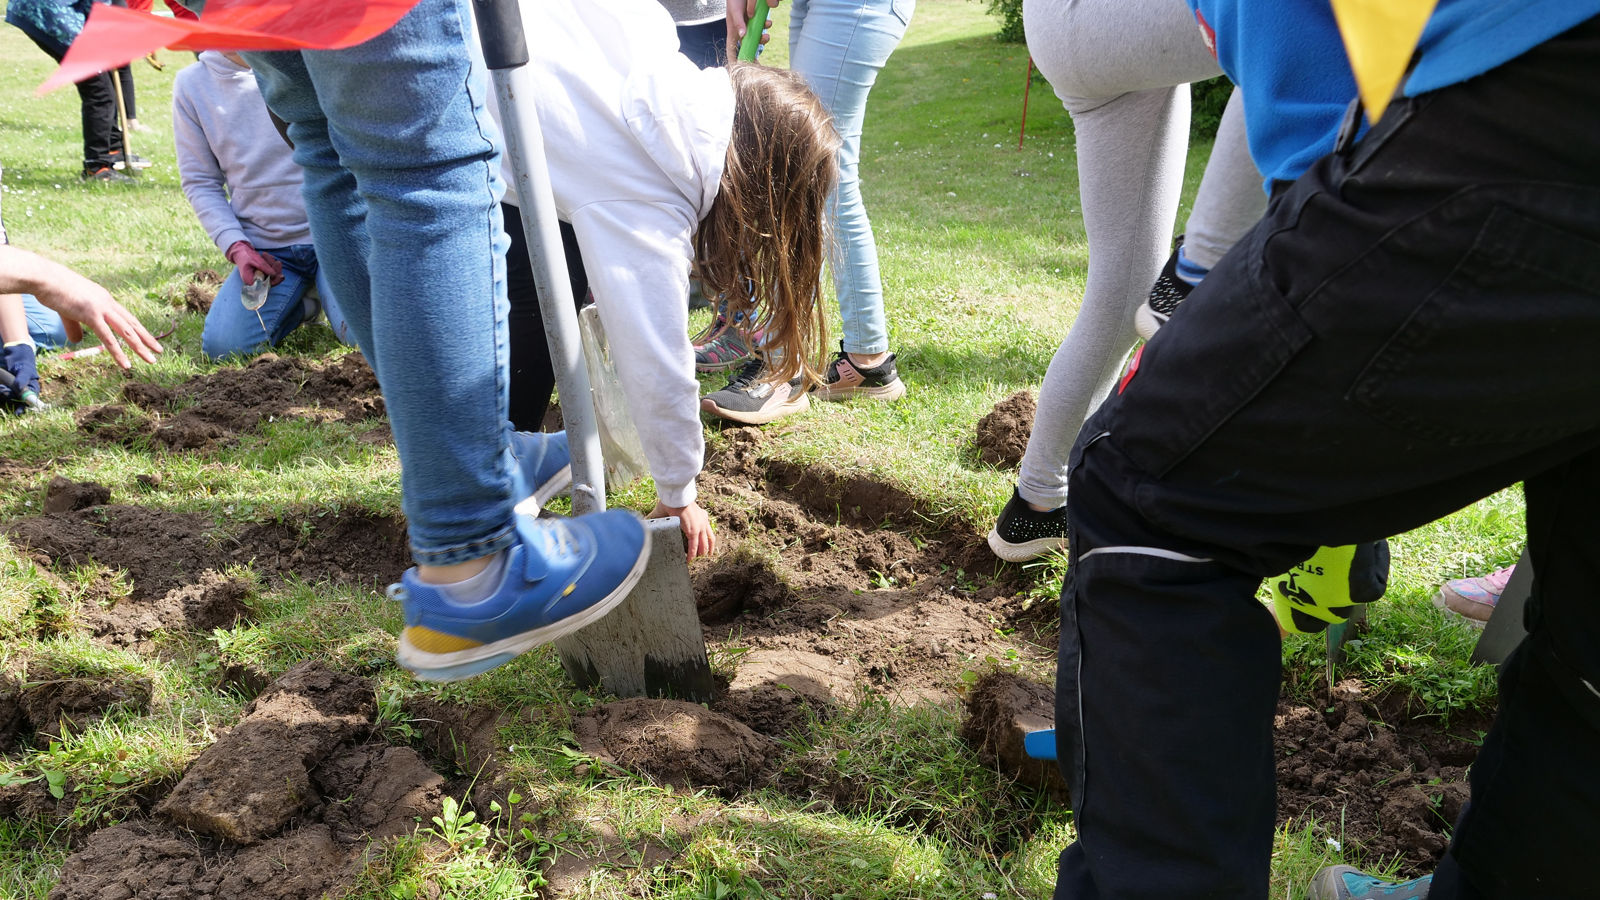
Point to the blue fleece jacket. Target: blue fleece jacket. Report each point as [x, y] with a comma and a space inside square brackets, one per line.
[1288, 59]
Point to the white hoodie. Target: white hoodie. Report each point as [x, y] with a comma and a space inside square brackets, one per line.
[237, 171]
[636, 137]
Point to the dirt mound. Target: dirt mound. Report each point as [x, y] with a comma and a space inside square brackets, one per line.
[1391, 795]
[162, 551]
[53, 702]
[676, 743]
[62, 495]
[776, 692]
[349, 548]
[217, 407]
[1003, 433]
[1001, 709]
[733, 582]
[807, 574]
[292, 725]
[285, 804]
[214, 601]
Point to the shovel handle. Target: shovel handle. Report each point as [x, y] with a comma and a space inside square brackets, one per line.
[752, 32]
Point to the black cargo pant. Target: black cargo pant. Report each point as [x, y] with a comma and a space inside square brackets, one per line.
[1413, 325]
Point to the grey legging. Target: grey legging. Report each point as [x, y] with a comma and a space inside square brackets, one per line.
[1121, 68]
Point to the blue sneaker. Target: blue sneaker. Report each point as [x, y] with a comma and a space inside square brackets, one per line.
[545, 464]
[561, 575]
[1349, 883]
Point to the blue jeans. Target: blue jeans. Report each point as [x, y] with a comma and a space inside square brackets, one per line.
[402, 190]
[232, 329]
[840, 46]
[44, 324]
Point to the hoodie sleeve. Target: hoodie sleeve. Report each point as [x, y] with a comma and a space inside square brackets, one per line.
[199, 172]
[637, 256]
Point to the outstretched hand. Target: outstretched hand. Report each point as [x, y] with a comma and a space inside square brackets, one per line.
[739, 13]
[698, 537]
[80, 300]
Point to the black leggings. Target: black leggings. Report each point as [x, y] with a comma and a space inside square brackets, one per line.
[532, 377]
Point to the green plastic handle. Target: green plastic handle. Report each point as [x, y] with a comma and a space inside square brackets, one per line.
[752, 32]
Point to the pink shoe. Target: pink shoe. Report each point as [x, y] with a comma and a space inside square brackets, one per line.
[1474, 598]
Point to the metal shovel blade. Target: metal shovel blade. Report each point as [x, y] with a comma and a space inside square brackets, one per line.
[651, 644]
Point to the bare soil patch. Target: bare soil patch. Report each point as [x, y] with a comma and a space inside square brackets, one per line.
[832, 588]
[215, 408]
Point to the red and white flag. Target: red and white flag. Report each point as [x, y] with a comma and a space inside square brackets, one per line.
[113, 36]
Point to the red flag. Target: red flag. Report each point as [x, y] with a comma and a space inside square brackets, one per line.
[113, 36]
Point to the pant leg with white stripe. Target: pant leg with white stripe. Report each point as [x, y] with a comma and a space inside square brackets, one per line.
[1411, 327]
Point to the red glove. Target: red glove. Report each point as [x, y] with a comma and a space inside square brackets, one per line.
[250, 261]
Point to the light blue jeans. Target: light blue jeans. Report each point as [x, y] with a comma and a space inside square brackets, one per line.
[403, 192]
[232, 329]
[44, 324]
[839, 46]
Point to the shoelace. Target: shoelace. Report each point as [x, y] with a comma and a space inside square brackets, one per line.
[748, 374]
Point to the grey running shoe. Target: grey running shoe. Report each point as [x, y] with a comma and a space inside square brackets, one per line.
[752, 401]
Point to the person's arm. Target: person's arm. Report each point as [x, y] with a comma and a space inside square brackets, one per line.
[13, 321]
[637, 256]
[78, 299]
[200, 173]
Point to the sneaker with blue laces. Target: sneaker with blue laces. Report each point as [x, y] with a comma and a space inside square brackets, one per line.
[560, 575]
[1349, 883]
[545, 463]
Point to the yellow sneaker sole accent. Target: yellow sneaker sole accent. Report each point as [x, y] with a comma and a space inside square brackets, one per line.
[430, 641]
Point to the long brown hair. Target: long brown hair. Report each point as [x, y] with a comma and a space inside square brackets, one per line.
[768, 222]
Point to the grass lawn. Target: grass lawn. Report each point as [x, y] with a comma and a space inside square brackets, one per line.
[983, 257]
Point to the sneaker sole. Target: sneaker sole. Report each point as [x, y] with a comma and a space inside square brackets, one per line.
[759, 416]
[1147, 322]
[442, 667]
[1025, 551]
[541, 495]
[891, 391]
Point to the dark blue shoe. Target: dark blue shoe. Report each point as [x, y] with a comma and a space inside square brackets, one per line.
[1349, 883]
[545, 464]
[561, 575]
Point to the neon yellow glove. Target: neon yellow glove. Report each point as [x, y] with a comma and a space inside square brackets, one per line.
[1322, 590]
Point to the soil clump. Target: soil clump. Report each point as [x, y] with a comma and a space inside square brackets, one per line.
[1003, 433]
[677, 743]
[296, 780]
[62, 495]
[1001, 710]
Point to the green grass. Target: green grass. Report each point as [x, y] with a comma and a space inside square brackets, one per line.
[983, 258]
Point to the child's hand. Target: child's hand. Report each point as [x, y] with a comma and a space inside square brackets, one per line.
[697, 533]
[78, 299]
[250, 261]
[739, 13]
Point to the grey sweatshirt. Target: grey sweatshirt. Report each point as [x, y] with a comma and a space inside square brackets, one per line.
[235, 168]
